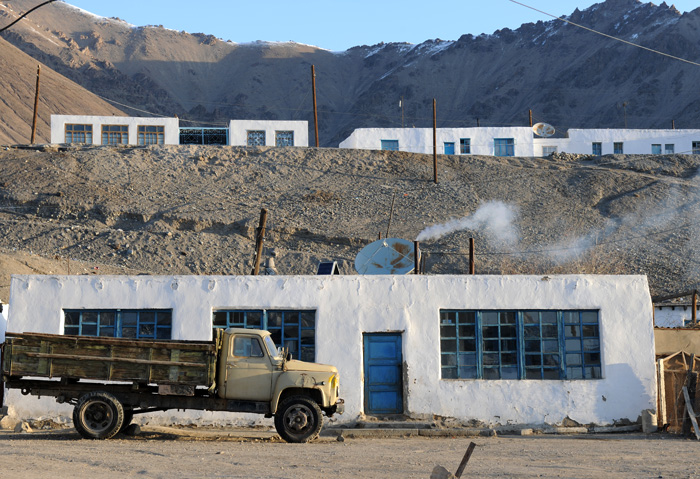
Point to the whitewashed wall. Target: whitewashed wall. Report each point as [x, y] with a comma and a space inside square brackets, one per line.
[634, 141]
[420, 140]
[239, 131]
[348, 306]
[672, 316]
[171, 130]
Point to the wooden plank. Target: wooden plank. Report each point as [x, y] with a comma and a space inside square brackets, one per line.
[662, 393]
[120, 360]
[691, 414]
[140, 343]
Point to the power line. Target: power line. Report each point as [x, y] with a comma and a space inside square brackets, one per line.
[606, 35]
[25, 14]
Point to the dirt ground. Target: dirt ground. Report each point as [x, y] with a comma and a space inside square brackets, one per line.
[157, 454]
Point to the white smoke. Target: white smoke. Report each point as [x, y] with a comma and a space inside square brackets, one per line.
[494, 218]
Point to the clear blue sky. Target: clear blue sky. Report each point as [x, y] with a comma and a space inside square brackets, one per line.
[337, 24]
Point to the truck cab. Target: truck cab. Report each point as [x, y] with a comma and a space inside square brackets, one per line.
[252, 368]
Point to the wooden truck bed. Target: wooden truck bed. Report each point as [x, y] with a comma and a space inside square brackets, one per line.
[110, 359]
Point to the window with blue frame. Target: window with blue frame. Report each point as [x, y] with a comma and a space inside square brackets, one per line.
[390, 145]
[293, 329]
[504, 147]
[520, 344]
[597, 149]
[618, 148]
[119, 323]
[465, 146]
[655, 149]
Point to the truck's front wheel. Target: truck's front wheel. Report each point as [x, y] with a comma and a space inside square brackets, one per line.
[298, 419]
[98, 415]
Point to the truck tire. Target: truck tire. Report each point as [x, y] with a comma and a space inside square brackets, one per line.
[98, 415]
[298, 419]
[128, 417]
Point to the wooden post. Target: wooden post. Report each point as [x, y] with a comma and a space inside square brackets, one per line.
[402, 112]
[471, 256]
[695, 308]
[259, 240]
[391, 214]
[465, 460]
[673, 124]
[435, 176]
[416, 257]
[36, 103]
[313, 86]
[530, 111]
[478, 123]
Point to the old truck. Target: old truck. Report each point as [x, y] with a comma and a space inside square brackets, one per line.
[109, 380]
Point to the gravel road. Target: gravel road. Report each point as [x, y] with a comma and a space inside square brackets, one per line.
[157, 454]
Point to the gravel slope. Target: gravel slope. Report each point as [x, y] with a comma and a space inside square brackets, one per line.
[194, 210]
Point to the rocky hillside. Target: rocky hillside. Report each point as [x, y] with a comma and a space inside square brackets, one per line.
[568, 77]
[57, 95]
[194, 210]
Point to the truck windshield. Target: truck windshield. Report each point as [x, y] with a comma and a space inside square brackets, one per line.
[272, 348]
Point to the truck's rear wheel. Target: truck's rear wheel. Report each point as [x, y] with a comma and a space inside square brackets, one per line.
[298, 419]
[128, 417]
[98, 415]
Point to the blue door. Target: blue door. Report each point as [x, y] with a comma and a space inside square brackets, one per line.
[449, 148]
[383, 373]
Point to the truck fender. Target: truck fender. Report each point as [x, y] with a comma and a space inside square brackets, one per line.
[303, 384]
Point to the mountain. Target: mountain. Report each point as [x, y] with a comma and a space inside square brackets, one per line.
[568, 76]
[57, 95]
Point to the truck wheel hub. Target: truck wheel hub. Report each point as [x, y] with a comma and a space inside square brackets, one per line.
[298, 418]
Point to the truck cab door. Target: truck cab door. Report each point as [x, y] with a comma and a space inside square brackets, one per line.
[248, 369]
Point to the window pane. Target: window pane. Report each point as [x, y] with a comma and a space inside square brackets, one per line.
[448, 359]
[308, 319]
[147, 317]
[467, 330]
[90, 317]
[72, 318]
[467, 317]
[448, 346]
[492, 373]
[489, 317]
[129, 333]
[449, 373]
[220, 319]
[89, 330]
[490, 332]
[129, 318]
[467, 372]
[549, 317]
[530, 317]
[467, 345]
[106, 319]
[509, 373]
[448, 331]
[274, 319]
[491, 345]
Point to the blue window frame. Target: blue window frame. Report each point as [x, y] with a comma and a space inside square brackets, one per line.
[504, 147]
[293, 329]
[520, 345]
[669, 148]
[655, 149]
[696, 147]
[465, 146]
[598, 149]
[390, 145]
[119, 323]
[618, 148]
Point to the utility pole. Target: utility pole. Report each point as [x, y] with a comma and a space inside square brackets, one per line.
[401, 105]
[36, 103]
[259, 240]
[313, 86]
[435, 179]
[530, 111]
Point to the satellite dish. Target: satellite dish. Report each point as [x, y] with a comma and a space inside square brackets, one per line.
[544, 130]
[386, 256]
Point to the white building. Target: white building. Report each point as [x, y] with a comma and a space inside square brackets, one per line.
[499, 349]
[521, 141]
[123, 130]
[268, 133]
[114, 130]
